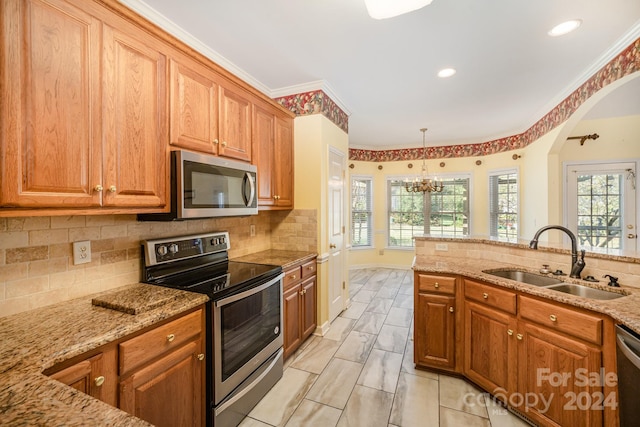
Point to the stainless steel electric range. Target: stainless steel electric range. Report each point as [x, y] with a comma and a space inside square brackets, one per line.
[244, 317]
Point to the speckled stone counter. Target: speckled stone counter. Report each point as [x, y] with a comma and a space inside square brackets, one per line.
[624, 310]
[277, 257]
[33, 341]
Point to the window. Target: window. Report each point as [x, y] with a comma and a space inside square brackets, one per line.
[503, 205]
[448, 211]
[361, 211]
[601, 204]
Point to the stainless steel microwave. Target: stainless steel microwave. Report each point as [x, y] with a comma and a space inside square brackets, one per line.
[204, 186]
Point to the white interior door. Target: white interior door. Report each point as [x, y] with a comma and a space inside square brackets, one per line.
[601, 204]
[336, 221]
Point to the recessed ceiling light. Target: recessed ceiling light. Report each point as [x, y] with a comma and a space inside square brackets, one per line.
[564, 28]
[446, 72]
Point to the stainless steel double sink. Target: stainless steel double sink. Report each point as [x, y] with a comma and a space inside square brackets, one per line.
[554, 284]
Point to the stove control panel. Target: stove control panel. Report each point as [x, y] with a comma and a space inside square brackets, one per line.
[158, 251]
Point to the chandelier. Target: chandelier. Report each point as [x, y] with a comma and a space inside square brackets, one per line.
[423, 183]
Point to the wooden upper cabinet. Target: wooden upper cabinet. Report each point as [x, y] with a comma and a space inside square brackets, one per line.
[135, 118]
[273, 155]
[234, 123]
[84, 106]
[50, 105]
[194, 107]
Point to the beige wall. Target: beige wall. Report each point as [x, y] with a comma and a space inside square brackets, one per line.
[314, 136]
[36, 264]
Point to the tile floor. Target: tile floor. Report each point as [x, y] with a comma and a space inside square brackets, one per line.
[361, 372]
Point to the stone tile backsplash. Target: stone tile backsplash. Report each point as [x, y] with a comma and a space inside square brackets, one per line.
[36, 258]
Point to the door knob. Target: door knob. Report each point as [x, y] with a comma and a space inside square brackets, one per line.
[332, 246]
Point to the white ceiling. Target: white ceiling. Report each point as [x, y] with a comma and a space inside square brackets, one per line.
[383, 72]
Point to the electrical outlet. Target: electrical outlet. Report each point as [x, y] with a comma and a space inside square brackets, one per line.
[81, 252]
[253, 230]
[442, 247]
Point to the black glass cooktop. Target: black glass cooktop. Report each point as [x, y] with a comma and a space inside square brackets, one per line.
[219, 279]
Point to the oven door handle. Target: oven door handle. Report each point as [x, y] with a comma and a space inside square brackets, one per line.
[249, 292]
[249, 387]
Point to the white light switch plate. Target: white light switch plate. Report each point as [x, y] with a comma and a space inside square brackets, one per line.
[81, 252]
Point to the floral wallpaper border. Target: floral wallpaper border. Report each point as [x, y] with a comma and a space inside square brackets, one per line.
[315, 102]
[627, 62]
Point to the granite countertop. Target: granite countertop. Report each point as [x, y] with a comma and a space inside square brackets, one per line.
[283, 258]
[36, 340]
[624, 310]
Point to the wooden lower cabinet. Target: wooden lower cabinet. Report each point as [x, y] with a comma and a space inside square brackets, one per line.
[95, 375]
[157, 375]
[299, 305]
[435, 318]
[168, 392]
[490, 353]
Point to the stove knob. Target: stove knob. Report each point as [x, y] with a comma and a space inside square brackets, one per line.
[222, 240]
[214, 241]
[162, 250]
[173, 248]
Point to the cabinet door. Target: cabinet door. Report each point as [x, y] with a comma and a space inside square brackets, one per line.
[291, 315]
[264, 153]
[96, 376]
[168, 392]
[235, 123]
[135, 118]
[557, 371]
[194, 108]
[49, 105]
[308, 307]
[435, 331]
[490, 353]
[283, 158]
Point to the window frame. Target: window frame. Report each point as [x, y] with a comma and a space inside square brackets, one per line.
[495, 173]
[368, 178]
[444, 177]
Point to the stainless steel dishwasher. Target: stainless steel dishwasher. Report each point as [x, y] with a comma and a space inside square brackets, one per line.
[628, 352]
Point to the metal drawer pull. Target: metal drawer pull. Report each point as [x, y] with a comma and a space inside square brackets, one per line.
[553, 317]
[98, 188]
[510, 332]
[112, 189]
[171, 337]
[200, 356]
[436, 285]
[215, 141]
[519, 336]
[485, 295]
[450, 309]
[99, 381]
[310, 267]
[293, 277]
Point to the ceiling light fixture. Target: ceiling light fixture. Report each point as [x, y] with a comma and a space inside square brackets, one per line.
[564, 28]
[382, 9]
[424, 183]
[446, 72]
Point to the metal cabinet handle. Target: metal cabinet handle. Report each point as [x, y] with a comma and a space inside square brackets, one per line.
[171, 337]
[215, 141]
[485, 295]
[224, 143]
[304, 291]
[332, 246]
[510, 332]
[293, 277]
[436, 285]
[200, 356]
[300, 292]
[310, 268]
[98, 188]
[553, 317]
[99, 381]
[450, 309]
[112, 189]
[519, 336]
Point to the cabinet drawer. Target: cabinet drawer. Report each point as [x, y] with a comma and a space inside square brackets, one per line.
[308, 269]
[291, 277]
[143, 348]
[436, 284]
[564, 319]
[490, 295]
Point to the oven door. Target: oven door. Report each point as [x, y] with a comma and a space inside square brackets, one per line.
[247, 331]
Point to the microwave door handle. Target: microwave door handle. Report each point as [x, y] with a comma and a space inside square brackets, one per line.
[248, 201]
